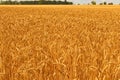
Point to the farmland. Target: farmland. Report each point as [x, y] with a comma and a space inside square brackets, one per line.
[59, 42]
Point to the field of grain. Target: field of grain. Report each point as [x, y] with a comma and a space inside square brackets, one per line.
[59, 42]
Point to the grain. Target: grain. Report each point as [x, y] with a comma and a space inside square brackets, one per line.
[59, 42]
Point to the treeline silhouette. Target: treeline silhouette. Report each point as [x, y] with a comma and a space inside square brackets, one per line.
[103, 3]
[36, 2]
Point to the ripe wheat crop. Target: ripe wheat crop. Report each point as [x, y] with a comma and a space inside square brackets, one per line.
[59, 42]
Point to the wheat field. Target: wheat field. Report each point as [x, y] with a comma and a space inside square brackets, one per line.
[59, 42]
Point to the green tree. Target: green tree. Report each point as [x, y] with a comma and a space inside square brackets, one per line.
[110, 3]
[42, 1]
[105, 3]
[0, 1]
[93, 2]
[65, 0]
[101, 4]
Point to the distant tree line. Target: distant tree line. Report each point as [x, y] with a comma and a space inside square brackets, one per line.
[36, 2]
[104, 3]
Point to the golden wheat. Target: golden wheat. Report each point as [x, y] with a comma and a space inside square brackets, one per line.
[59, 43]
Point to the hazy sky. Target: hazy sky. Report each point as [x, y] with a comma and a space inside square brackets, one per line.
[98, 1]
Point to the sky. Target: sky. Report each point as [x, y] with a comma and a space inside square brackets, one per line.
[98, 1]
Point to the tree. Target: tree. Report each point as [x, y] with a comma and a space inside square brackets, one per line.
[101, 4]
[93, 2]
[0, 1]
[110, 3]
[65, 0]
[41, 1]
[105, 3]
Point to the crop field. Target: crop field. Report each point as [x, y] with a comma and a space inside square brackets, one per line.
[51, 42]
